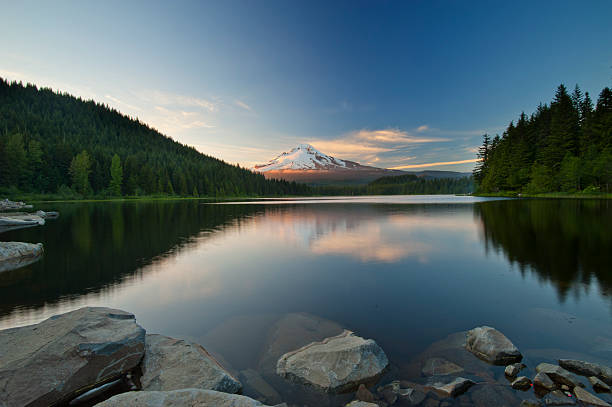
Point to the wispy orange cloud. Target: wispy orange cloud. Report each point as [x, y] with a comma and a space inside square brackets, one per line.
[403, 167]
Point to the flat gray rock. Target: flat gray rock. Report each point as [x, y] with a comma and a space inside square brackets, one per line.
[589, 399]
[513, 369]
[598, 384]
[67, 354]
[14, 255]
[172, 364]
[543, 381]
[335, 364]
[558, 374]
[587, 369]
[558, 398]
[454, 388]
[492, 346]
[179, 398]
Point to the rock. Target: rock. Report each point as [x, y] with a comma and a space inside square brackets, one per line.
[530, 403]
[588, 369]
[493, 395]
[439, 366]
[358, 403]
[67, 354]
[14, 255]
[6, 205]
[589, 399]
[411, 396]
[390, 392]
[172, 364]
[580, 367]
[20, 220]
[363, 394]
[335, 364]
[599, 385]
[558, 375]
[454, 388]
[558, 398]
[513, 369]
[182, 397]
[256, 382]
[492, 346]
[521, 383]
[543, 381]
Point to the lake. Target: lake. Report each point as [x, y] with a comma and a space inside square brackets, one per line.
[251, 280]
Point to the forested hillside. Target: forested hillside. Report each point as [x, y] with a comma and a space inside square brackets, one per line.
[408, 184]
[52, 142]
[562, 147]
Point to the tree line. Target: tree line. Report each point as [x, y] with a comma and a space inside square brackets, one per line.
[408, 184]
[53, 142]
[562, 147]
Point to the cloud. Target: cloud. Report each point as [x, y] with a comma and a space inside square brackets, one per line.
[403, 167]
[158, 97]
[422, 128]
[243, 105]
[120, 102]
[367, 146]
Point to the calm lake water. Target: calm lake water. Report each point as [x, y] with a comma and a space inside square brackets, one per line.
[252, 280]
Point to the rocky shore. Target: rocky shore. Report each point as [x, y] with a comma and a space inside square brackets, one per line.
[14, 255]
[101, 356]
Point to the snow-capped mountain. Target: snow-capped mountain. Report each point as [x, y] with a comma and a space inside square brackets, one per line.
[306, 164]
[303, 157]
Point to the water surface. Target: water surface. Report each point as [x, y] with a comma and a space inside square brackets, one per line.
[249, 279]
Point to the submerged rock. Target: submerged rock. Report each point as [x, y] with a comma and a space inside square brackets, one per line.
[55, 360]
[182, 397]
[172, 364]
[14, 255]
[255, 382]
[589, 399]
[558, 375]
[493, 395]
[454, 388]
[335, 364]
[492, 346]
[439, 367]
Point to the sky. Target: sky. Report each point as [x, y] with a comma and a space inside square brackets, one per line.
[396, 84]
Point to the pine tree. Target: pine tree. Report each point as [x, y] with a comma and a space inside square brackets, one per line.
[80, 168]
[116, 173]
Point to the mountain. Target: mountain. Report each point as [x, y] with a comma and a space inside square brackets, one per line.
[306, 164]
[52, 142]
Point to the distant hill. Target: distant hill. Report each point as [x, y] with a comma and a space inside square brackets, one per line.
[306, 164]
[52, 141]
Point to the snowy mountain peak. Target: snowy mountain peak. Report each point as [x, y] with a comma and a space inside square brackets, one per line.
[302, 157]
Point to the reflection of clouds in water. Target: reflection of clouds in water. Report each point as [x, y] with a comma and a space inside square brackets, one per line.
[366, 235]
[369, 243]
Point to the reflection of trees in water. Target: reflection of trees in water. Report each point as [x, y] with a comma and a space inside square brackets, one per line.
[565, 241]
[93, 246]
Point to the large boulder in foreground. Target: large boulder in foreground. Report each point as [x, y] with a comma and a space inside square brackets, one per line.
[336, 364]
[14, 255]
[172, 364]
[182, 397]
[50, 362]
[492, 346]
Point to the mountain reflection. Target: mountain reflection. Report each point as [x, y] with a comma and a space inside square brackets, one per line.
[564, 241]
[93, 246]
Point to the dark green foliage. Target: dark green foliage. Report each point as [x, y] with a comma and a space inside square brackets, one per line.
[408, 184]
[42, 132]
[565, 147]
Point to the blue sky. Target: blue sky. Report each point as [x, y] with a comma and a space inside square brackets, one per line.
[407, 84]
